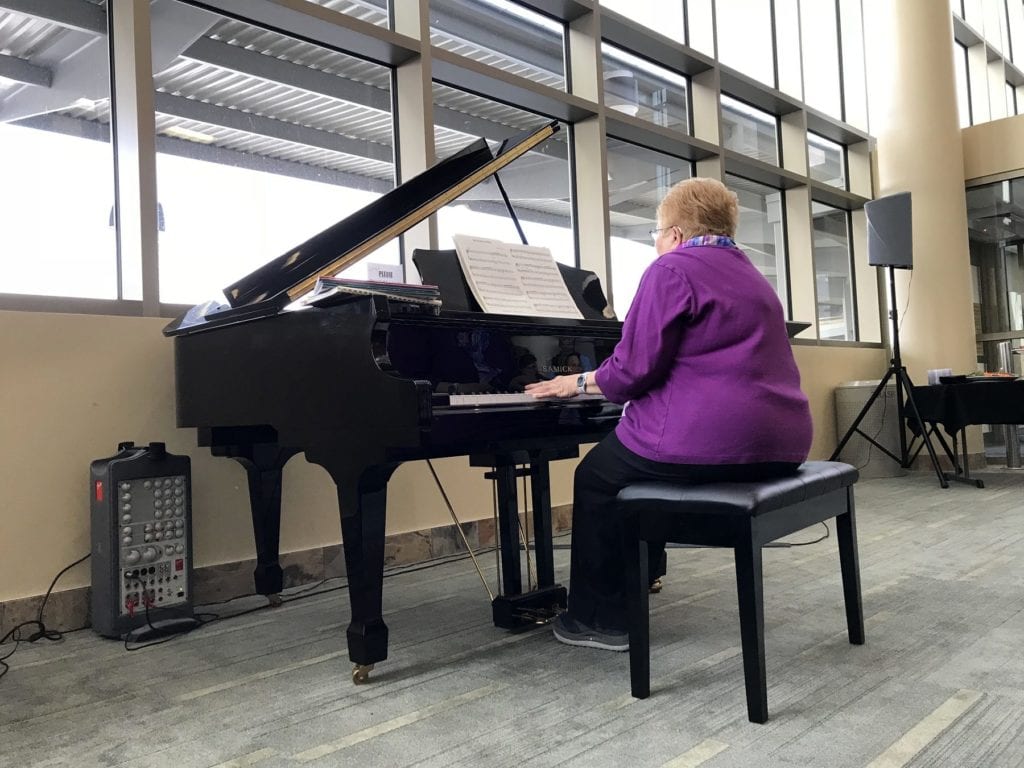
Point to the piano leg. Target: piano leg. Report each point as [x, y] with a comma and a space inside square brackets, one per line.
[362, 502]
[263, 463]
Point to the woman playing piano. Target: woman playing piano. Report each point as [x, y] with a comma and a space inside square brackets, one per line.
[712, 388]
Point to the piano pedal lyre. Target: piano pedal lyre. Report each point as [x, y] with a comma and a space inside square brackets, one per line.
[361, 673]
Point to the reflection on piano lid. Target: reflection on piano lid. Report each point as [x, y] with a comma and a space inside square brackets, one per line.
[269, 289]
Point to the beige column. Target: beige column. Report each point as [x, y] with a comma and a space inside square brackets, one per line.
[591, 166]
[913, 110]
[415, 102]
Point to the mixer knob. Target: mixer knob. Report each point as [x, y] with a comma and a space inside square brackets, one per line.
[132, 557]
[149, 554]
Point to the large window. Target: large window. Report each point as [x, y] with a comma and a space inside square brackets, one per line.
[749, 131]
[988, 78]
[638, 179]
[658, 15]
[995, 226]
[537, 184]
[761, 232]
[995, 220]
[372, 11]
[1015, 21]
[641, 89]
[258, 149]
[744, 39]
[852, 62]
[833, 275]
[501, 34]
[819, 46]
[787, 47]
[963, 88]
[826, 160]
[275, 120]
[57, 190]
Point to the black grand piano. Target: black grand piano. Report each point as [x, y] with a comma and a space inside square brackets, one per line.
[360, 384]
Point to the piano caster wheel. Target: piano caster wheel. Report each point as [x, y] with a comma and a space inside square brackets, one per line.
[274, 600]
[361, 673]
[655, 587]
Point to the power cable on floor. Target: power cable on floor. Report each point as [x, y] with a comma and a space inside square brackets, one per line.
[42, 633]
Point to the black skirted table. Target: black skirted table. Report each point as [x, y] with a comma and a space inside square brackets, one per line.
[959, 405]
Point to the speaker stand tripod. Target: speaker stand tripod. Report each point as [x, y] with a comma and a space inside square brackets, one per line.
[904, 399]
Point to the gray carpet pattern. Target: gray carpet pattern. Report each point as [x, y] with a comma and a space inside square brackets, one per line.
[940, 681]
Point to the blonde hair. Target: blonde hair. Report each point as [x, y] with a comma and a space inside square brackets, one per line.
[700, 206]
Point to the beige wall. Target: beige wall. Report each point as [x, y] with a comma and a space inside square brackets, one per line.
[821, 369]
[73, 386]
[994, 149]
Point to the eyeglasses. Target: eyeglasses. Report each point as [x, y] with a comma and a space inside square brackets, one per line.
[654, 232]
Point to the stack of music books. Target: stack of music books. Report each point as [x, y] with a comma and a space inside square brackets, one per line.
[410, 292]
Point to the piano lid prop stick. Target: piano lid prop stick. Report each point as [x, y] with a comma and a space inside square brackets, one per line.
[458, 527]
[414, 218]
[497, 529]
[531, 575]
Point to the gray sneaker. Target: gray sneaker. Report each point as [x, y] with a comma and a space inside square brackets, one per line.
[571, 632]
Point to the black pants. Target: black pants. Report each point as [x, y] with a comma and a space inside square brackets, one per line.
[597, 594]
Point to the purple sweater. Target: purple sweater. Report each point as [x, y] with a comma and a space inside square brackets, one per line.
[705, 365]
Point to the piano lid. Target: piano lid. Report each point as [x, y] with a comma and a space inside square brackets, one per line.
[293, 274]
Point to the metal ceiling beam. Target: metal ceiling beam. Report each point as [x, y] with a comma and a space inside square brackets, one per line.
[473, 76]
[563, 10]
[21, 71]
[244, 61]
[80, 16]
[79, 60]
[78, 70]
[247, 62]
[247, 122]
[320, 25]
[514, 40]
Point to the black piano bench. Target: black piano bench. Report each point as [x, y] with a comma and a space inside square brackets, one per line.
[744, 516]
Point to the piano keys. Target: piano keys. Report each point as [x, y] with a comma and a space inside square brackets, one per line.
[360, 384]
[508, 398]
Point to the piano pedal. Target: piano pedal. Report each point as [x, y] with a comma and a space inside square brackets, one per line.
[655, 587]
[528, 609]
[361, 673]
[538, 616]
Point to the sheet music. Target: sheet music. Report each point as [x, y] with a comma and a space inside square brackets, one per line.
[514, 279]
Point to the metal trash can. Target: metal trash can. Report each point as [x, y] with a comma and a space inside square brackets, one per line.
[881, 422]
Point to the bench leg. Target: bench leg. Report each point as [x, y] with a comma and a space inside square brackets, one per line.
[750, 589]
[638, 616]
[846, 533]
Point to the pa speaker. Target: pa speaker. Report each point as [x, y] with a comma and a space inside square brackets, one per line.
[890, 232]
